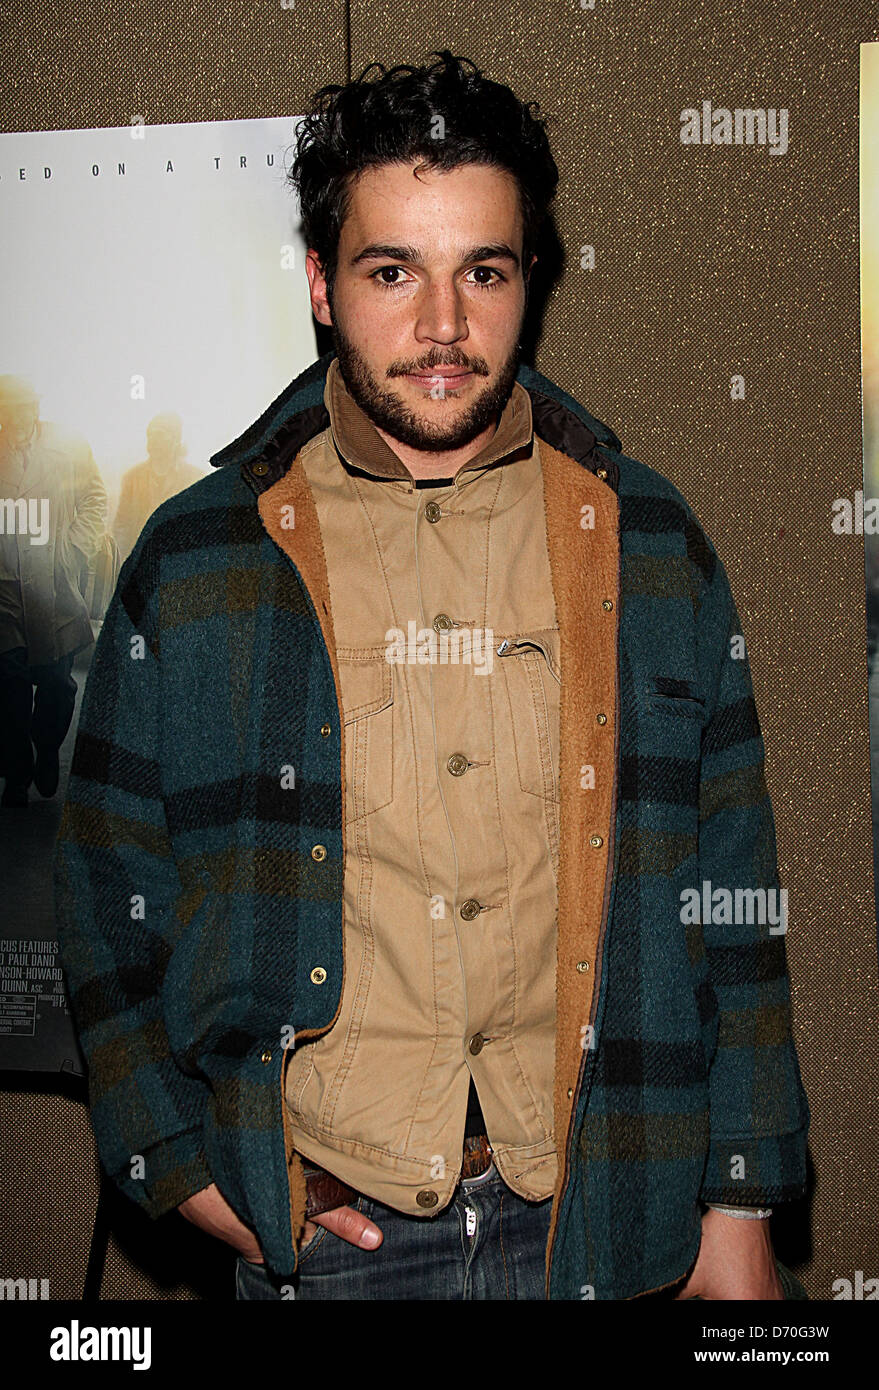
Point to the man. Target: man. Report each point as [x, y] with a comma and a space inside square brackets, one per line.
[411, 952]
[163, 473]
[54, 516]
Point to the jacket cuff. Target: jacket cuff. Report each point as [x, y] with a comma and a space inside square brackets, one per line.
[175, 1169]
[752, 1171]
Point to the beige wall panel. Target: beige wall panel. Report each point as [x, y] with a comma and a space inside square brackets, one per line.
[75, 66]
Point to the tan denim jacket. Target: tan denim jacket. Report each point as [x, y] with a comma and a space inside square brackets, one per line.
[452, 802]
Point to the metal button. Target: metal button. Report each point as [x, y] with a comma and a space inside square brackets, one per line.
[325, 730]
[596, 841]
[260, 469]
[426, 1198]
[318, 975]
[601, 718]
[600, 473]
[470, 908]
[458, 764]
[607, 604]
[582, 966]
[476, 1044]
[266, 1057]
[442, 622]
[319, 852]
[433, 511]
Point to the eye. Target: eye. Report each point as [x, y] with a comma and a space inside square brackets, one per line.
[387, 270]
[487, 270]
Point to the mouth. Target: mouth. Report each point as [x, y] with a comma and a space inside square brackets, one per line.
[451, 378]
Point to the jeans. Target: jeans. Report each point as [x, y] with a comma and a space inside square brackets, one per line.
[488, 1243]
[43, 717]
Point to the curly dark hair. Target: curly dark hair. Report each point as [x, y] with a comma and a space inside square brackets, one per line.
[443, 115]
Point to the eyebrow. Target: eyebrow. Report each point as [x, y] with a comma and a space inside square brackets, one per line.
[381, 251]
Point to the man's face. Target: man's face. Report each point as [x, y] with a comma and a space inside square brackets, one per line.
[163, 441]
[20, 418]
[428, 301]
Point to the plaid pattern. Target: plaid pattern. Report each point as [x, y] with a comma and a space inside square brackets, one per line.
[191, 912]
[693, 1089]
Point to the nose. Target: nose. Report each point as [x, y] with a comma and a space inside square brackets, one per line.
[441, 317]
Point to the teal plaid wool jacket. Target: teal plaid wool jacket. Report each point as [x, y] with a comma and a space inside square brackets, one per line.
[191, 910]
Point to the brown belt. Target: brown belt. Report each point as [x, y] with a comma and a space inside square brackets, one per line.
[324, 1191]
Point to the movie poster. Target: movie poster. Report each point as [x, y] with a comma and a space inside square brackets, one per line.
[155, 304]
[868, 521]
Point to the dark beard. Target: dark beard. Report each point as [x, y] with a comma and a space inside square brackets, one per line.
[386, 410]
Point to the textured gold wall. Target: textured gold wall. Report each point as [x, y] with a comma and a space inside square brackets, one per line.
[711, 262]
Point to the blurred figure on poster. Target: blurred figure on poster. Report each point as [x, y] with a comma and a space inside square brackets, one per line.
[163, 473]
[53, 525]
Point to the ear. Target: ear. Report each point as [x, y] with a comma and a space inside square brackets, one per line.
[317, 288]
[528, 280]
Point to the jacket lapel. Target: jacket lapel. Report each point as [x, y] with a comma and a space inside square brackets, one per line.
[582, 527]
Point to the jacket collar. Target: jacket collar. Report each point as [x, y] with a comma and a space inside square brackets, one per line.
[266, 449]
